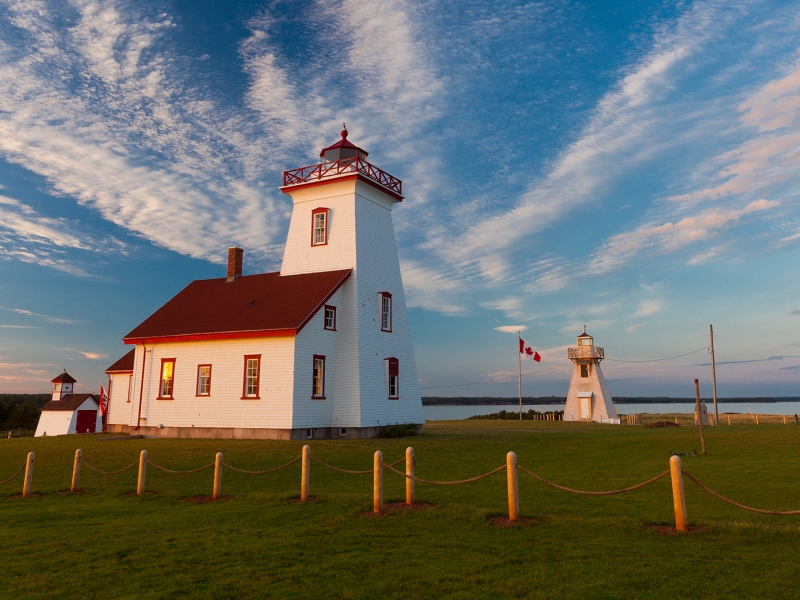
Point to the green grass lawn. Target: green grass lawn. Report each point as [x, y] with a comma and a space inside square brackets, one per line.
[259, 542]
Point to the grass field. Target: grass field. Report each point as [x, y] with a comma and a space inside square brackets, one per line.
[259, 542]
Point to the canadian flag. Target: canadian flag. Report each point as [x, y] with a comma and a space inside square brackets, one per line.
[528, 351]
[103, 401]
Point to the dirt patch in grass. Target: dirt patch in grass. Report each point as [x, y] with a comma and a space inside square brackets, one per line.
[205, 499]
[505, 522]
[669, 530]
[395, 507]
[69, 493]
[658, 424]
[298, 501]
[134, 494]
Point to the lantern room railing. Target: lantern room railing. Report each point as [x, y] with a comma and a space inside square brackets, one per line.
[338, 168]
[586, 352]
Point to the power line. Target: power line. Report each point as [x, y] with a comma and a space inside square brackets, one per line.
[658, 359]
[436, 387]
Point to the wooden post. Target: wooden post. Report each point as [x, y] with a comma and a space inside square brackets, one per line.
[305, 473]
[26, 485]
[678, 498]
[784, 419]
[217, 477]
[76, 471]
[377, 483]
[142, 472]
[410, 499]
[729, 419]
[700, 418]
[757, 423]
[513, 488]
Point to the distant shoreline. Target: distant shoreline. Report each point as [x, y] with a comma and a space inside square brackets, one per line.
[556, 400]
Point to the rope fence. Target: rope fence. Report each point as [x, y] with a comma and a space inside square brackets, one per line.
[264, 472]
[128, 468]
[781, 513]
[14, 475]
[587, 493]
[511, 467]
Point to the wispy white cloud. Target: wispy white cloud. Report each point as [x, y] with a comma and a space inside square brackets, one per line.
[649, 307]
[49, 318]
[104, 112]
[511, 328]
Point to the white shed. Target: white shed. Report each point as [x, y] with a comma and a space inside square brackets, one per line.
[67, 412]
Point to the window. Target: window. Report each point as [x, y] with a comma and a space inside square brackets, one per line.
[330, 318]
[318, 382]
[584, 370]
[252, 375]
[386, 311]
[393, 380]
[167, 378]
[319, 226]
[203, 380]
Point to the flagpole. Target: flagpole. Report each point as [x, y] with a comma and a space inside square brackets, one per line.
[519, 371]
[714, 376]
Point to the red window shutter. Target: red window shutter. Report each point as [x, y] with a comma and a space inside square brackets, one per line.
[394, 367]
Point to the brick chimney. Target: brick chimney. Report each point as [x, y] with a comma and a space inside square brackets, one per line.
[234, 263]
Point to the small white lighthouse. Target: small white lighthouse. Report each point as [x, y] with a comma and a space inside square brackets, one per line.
[588, 398]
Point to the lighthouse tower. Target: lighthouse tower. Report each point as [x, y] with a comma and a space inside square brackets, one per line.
[588, 398]
[342, 219]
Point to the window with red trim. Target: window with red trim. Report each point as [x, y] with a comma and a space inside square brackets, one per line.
[319, 226]
[167, 384]
[252, 376]
[318, 380]
[386, 311]
[203, 380]
[330, 318]
[393, 378]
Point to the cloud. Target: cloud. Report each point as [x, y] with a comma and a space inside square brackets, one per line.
[744, 362]
[633, 328]
[795, 312]
[94, 355]
[648, 308]
[22, 311]
[103, 110]
[511, 328]
[619, 135]
[18, 327]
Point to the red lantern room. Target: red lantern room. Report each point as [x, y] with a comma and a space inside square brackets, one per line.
[343, 149]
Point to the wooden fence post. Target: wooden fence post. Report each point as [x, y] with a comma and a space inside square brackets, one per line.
[305, 473]
[377, 483]
[217, 477]
[76, 471]
[410, 499]
[26, 485]
[142, 473]
[513, 488]
[678, 498]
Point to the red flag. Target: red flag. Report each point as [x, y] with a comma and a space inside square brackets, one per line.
[103, 401]
[528, 351]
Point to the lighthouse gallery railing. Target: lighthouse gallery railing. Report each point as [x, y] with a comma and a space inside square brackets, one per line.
[344, 166]
[586, 352]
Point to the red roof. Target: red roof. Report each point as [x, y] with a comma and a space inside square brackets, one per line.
[64, 378]
[344, 143]
[124, 364]
[584, 334]
[68, 402]
[251, 306]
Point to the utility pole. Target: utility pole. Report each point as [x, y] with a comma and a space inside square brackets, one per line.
[700, 418]
[714, 376]
[519, 370]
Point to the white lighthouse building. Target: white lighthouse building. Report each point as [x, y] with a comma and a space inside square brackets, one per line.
[320, 349]
[588, 398]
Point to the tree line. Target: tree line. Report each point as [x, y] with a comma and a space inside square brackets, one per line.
[21, 411]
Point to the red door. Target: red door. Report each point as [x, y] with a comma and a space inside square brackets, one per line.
[87, 420]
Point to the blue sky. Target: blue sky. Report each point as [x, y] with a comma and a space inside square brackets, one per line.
[631, 166]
